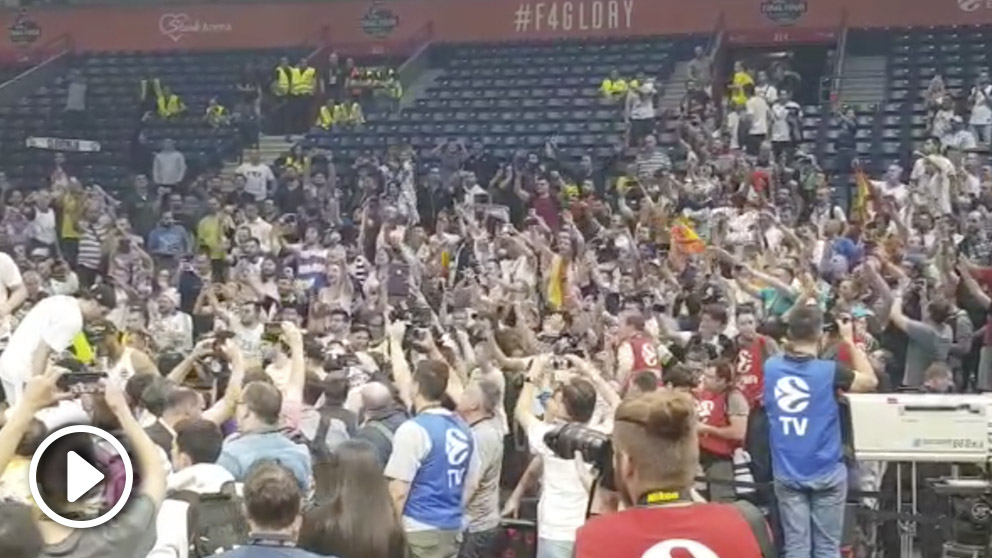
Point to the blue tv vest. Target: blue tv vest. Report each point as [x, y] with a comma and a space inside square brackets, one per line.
[803, 418]
[436, 492]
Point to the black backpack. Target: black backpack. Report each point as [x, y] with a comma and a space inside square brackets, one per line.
[215, 523]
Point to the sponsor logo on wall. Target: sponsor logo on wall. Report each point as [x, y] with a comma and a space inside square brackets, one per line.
[379, 21]
[24, 30]
[177, 26]
[974, 5]
[784, 12]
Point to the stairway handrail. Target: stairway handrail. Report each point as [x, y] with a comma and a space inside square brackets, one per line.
[838, 69]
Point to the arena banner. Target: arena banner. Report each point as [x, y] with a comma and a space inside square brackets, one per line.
[379, 24]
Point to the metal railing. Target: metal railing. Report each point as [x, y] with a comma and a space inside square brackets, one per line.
[838, 69]
[46, 61]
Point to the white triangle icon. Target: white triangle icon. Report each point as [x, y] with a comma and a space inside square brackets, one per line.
[81, 477]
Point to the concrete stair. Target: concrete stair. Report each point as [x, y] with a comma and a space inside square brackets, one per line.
[270, 148]
[418, 88]
[863, 80]
[675, 87]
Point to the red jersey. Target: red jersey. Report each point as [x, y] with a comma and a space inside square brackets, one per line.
[750, 370]
[693, 531]
[711, 408]
[645, 355]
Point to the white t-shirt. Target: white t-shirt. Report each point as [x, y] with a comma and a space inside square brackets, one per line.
[257, 179]
[262, 231]
[780, 123]
[962, 139]
[562, 507]
[43, 227]
[642, 107]
[10, 279]
[981, 114]
[767, 91]
[757, 108]
[55, 321]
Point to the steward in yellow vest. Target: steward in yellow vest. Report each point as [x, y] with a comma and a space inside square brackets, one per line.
[303, 79]
[613, 86]
[148, 92]
[216, 114]
[169, 104]
[356, 117]
[325, 116]
[281, 83]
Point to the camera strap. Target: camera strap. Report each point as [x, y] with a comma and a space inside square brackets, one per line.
[658, 498]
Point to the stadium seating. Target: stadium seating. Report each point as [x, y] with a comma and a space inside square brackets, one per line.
[515, 96]
[113, 110]
[897, 127]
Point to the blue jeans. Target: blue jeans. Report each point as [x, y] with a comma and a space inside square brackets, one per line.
[547, 548]
[812, 514]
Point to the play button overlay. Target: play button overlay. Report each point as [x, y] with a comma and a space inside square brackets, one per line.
[69, 482]
[82, 477]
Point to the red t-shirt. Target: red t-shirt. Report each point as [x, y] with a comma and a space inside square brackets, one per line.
[693, 531]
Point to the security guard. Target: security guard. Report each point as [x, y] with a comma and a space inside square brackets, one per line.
[303, 83]
[356, 117]
[613, 86]
[341, 113]
[281, 83]
[325, 116]
[216, 114]
[169, 104]
[149, 91]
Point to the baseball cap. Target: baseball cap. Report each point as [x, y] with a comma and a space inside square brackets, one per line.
[104, 295]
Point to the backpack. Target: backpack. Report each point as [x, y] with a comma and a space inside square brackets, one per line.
[215, 523]
[331, 432]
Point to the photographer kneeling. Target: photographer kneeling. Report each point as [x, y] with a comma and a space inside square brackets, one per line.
[655, 456]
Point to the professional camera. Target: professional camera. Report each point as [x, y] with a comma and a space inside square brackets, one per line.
[596, 449]
[971, 515]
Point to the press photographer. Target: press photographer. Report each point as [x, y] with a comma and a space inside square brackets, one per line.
[654, 451]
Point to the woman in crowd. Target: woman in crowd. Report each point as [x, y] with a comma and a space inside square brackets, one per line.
[352, 516]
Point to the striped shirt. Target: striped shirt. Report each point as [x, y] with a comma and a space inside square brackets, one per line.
[91, 245]
[310, 266]
[646, 165]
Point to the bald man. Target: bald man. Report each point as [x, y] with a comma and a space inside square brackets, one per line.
[383, 414]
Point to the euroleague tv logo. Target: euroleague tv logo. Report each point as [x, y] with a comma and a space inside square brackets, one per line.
[792, 394]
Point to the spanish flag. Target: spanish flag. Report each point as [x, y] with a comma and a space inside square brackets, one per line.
[556, 283]
[685, 239]
[862, 198]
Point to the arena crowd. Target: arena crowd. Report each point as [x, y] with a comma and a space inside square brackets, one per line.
[400, 356]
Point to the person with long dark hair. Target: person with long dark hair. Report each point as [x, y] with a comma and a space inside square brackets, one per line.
[353, 516]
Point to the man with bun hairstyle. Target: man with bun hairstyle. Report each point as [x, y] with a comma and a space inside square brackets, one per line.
[655, 457]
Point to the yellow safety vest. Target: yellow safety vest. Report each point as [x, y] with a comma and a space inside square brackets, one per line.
[298, 164]
[82, 349]
[304, 81]
[325, 118]
[355, 115]
[281, 86]
[340, 113]
[169, 106]
[610, 87]
[216, 111]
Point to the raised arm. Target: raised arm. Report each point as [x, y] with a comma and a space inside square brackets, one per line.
[402, 375]
[224, 409]
[147, 453]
